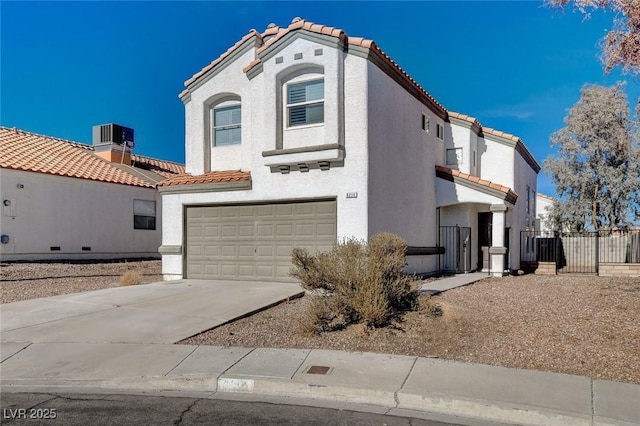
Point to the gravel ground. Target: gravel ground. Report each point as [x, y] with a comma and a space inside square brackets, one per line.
[570, 324]
[23, 281]
[582, 325]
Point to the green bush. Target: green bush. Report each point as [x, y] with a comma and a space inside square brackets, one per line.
[360, 282]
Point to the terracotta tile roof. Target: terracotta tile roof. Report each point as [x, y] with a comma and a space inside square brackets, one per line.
[161, 167]
[509, 193]
[274, 33]
[211, 177]
[547, 197]
[20, 150]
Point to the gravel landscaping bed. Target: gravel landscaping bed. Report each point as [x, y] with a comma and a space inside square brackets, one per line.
[583, 325]
[31, 280]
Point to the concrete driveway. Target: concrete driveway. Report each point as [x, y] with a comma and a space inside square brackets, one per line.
[164, 312]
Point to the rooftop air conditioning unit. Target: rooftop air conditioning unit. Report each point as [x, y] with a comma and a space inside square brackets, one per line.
[113, 134]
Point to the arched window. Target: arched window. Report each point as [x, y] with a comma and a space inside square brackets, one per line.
[225, 120]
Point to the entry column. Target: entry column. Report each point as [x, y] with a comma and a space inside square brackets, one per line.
[497, 250]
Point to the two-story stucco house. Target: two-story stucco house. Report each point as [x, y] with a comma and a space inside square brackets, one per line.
[303, 136]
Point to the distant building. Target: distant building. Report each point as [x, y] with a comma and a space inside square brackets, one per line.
[66, 200]
[543, 206]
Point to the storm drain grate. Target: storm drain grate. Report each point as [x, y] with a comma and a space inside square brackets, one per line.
[318, 369]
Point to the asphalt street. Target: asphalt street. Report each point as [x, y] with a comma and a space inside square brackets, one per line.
[97, 410]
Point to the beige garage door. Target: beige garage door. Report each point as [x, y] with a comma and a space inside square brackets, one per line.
[254, 242]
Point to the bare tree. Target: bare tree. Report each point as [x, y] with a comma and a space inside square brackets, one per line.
[597, 171]
[621, 46]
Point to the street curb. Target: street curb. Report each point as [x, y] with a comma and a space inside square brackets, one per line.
[615, 407]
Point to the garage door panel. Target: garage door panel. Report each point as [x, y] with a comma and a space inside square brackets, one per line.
[265, 230]
[254, 242]
[246, 230]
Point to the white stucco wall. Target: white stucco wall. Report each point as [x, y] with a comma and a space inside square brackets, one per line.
[461, 137]
[55, 211]
[497, 161]
[260, 133]
[402, 160]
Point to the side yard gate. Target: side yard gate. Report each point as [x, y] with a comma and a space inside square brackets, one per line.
[579, 253]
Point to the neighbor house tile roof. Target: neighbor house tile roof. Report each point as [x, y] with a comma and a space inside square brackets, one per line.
[210, 177]
[31, 152]
[273, 34]
[447, 172]
[547, 197]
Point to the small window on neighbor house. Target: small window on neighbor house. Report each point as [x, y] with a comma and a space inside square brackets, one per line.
[425, 123]
[439, 131]
[227, 129]
[528, 200]
[454, 156]
[305, 103]
[144, 214]
[474, 158]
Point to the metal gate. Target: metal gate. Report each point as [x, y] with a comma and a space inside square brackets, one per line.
[457, 243]
[573, 253]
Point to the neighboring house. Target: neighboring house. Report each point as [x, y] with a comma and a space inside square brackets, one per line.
[66, 200]
[303, 136]
[543, 206]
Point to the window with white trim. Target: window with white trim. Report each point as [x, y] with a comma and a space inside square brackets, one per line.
[454, 156]
[425, 123]
[439, 131]
[144, 214]
[305, 103]
[227, 125]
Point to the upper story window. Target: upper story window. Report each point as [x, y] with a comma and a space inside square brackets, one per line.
[227, 123]
[425, 123]
[439, 131]
[305, 103]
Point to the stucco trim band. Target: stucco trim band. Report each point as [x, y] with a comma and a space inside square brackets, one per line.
[165, 249]
[313, 148]
[497, 250]
[205, 187]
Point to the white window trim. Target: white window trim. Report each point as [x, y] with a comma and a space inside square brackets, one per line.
[426, 123]
[221, 105]
[287, 105]
[440, 131]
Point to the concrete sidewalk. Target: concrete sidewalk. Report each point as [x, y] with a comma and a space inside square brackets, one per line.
[448, 283]
[400, 384]
[163, 312]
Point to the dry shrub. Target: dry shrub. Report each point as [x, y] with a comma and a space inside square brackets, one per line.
[363, 283]
[130, 278]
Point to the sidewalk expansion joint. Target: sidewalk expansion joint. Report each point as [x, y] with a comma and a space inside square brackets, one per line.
[236, 363]
[181, 361]
[11, 356]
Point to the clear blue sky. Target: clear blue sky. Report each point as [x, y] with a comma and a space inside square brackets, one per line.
[66, 66]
